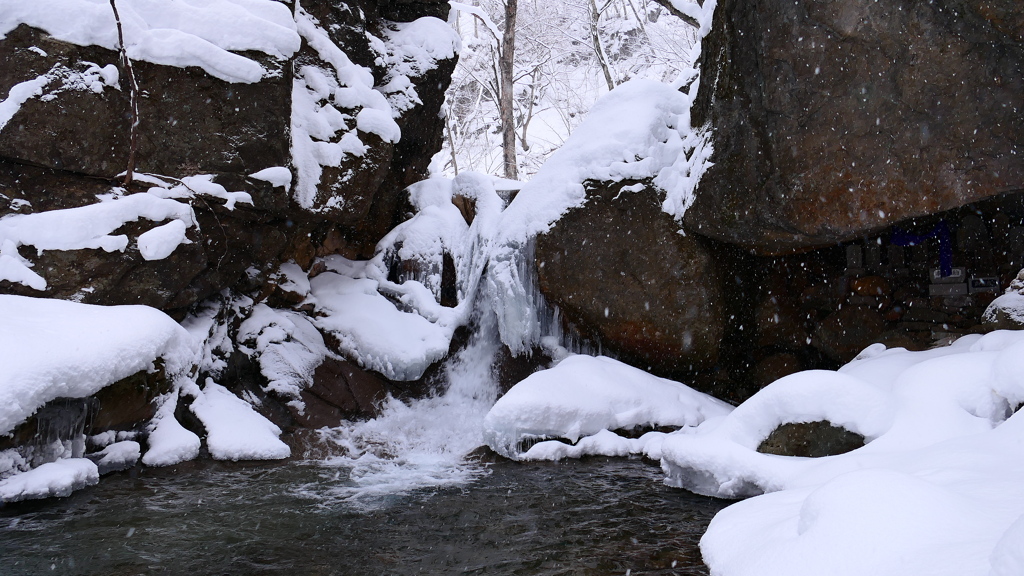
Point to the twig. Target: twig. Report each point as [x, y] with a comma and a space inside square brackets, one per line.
[133, 87]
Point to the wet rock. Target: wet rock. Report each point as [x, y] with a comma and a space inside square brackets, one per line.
[810, 440]
[832, 119]
[341, 390]
[620, 269]
[870, 286]
[841, 336]
[773, 367]
[128, 404]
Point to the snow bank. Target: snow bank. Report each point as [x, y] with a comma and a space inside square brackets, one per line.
[169, 442]
[585, 397]
[932, 492]
[177, 33]
[234, 430]
[53, 348]
[59, 479]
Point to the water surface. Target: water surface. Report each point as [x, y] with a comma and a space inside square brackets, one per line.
[594, 516]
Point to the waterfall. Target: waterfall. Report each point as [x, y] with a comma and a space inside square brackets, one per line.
[423, 443]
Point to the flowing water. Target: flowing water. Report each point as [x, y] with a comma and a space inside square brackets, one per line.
[595, 516]
[404, 493]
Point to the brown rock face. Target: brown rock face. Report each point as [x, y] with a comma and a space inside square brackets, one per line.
[810, 440]
[190, 122]
[835, 119]
[619, 268]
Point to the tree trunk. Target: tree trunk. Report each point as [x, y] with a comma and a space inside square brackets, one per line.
[595, 36]
[506, 62]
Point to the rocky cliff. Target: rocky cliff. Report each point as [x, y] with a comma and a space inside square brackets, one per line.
[832, 120]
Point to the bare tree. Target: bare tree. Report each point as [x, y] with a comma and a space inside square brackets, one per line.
[506, 68]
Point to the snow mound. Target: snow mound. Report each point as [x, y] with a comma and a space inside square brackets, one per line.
[585, 397]
[169, 442]
[59, 479]
[117, 456]
[932, 492]
[57, 349]
[372, 330]
[177, 33]
[234, 430]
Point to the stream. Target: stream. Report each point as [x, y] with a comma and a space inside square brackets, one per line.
[592, 516]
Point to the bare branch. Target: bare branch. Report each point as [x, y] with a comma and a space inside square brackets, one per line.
[667, 4]
[133, 86]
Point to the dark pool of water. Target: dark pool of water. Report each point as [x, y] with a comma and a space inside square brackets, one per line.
[595, 516]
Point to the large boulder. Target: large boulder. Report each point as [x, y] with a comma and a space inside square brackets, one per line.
[834, 119]
[189, 121]
[619, 268]
[68, 137]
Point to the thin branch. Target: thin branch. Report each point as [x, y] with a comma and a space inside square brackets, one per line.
[133, 86]
[668, 5]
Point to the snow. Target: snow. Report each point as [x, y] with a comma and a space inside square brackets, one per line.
[57, 349]
[18, 95]
[585, 397]
[371, 329]
[933, 491]
[412, 49]
[54, 479]
[89, 227]
[172, 32]
[93, 78]
[321, 134]
[399, 328]
[117, 456]
[287, 347]
[278, 176]
[234, 430]
[158, 243]
[169, 442]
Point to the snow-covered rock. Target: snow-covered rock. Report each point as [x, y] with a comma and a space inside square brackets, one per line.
[932, 491]
[581, 400]
[59, 479]
[234, 430]
[56, 349]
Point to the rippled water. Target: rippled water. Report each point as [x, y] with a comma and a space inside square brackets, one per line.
[596, 516]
